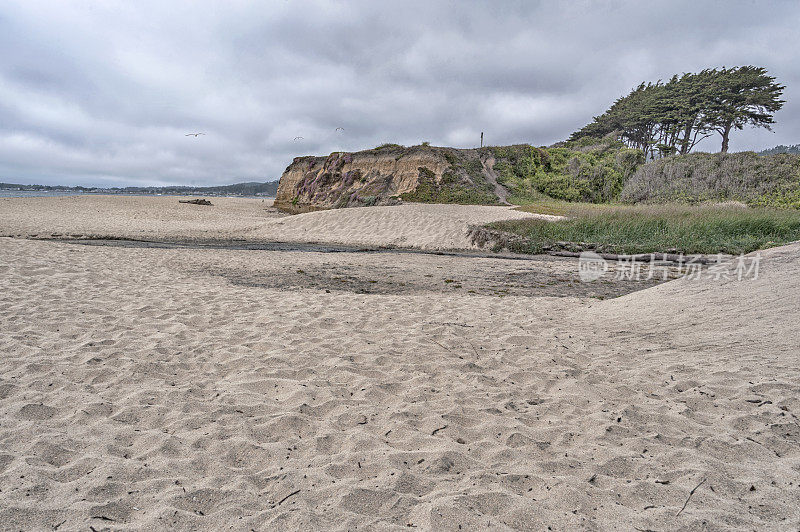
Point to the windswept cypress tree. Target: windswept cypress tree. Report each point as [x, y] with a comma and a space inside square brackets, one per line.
[665, 118]
[742, 96]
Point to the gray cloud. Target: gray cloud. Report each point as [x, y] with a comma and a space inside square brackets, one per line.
[103, 94]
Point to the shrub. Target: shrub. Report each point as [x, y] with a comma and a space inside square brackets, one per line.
[588, 170]
[768, 180]
[390, 146]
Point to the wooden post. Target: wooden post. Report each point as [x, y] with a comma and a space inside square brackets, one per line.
[481, 139]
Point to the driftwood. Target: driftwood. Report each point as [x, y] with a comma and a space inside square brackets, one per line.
[196, 202]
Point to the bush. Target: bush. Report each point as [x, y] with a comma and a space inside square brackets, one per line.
[589, 170]
[772, 180]
[389, 147]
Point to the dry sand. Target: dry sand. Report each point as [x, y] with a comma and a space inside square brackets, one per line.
[423, 226]
[153, 388]
[138, 217]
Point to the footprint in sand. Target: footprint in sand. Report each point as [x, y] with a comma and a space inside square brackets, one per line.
[36, 412]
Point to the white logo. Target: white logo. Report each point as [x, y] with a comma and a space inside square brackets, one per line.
[591, 266]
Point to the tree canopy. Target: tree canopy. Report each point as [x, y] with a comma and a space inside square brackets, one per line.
[781, 148]
[663, 118]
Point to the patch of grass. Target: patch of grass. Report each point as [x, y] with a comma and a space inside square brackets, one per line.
[555, 207]
[706, 229]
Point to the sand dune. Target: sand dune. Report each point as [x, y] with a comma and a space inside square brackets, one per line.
[141, 389]
[753, 313]
[421, 226]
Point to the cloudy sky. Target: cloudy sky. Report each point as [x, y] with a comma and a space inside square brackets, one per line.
[103, 93]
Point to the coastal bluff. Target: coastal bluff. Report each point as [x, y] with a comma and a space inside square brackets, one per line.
[388, 175]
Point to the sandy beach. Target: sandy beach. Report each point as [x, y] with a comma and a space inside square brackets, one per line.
[211, 388]
[432, 227]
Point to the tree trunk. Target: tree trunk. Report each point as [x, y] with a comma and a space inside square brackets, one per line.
[726, 137]
[687, 133]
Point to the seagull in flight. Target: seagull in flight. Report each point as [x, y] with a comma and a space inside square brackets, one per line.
[298, 138]
[339, 129]
[195, 135]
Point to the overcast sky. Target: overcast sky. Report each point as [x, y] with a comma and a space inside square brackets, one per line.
[103, 93]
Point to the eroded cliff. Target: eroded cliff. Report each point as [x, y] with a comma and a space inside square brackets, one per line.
[387, 175]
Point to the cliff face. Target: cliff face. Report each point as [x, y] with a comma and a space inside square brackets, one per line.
[384, 176]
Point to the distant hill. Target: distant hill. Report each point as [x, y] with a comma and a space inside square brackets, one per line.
[795, 149]
[239, 189]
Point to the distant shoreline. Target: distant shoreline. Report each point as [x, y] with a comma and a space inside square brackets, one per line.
[251, 189]
[9, 193]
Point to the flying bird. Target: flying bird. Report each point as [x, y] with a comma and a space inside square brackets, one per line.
[195, 135]
[339, 129]
[298, 138]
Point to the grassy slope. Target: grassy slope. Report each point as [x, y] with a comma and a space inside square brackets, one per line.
[658, 228]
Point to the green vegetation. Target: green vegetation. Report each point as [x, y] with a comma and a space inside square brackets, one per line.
[368, 201]
[772, 180]
[556, 207]
[604, 161]
[794, 149]
[658, 228]
[589, 170]
[605, 171]
[449, 190]
[638, 151]
[388, 146]
[666, 118]
[462, 182]
[469, 168]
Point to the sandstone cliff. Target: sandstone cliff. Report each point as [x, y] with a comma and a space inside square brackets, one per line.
[387, 175]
